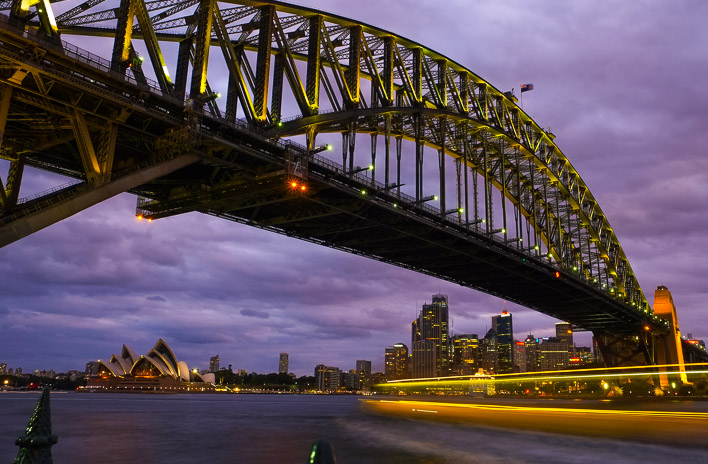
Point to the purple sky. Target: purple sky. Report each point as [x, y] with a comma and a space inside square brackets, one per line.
[621, 84]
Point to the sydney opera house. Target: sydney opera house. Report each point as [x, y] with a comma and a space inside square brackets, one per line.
[158, 370]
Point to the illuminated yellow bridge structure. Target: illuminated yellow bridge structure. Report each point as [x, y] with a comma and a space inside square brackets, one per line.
[318, 127]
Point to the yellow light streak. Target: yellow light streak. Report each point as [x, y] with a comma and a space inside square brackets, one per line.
[415, 406]
[579, 374]
[566, 372]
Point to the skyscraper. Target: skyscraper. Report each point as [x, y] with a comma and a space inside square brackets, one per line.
[520, 356]
[430, 339]
[465, 354]
[214, 364]
[283, 363]
[488, 355]
[363, 374]
[552, 354]
[396, 361]
[564, 332]
[531, 348]
[505, 339]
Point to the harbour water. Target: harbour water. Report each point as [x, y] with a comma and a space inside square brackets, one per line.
[268, 429]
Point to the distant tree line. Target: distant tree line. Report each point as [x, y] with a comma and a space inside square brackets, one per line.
[24, 382]
[273, 381]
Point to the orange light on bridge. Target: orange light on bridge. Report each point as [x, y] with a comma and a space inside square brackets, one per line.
[140, 217]
[647, 328]
[557, 274]
[297, 185]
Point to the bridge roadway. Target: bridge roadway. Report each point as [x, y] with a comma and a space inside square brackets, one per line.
[71, 112]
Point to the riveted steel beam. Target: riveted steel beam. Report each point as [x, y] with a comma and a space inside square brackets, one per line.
[265, 40]
[12, 229]
[201, 53]
[157, 60]
[314, 59]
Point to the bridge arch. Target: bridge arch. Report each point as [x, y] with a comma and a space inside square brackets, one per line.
[316, 68]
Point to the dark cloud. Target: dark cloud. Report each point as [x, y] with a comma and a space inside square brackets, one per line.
[338, 333]
[255, 313]
[156, 298]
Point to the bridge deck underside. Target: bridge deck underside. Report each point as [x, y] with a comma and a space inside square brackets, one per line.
[244, 176]
[334, 212]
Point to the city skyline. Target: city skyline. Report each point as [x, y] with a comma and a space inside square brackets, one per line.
[625, 104]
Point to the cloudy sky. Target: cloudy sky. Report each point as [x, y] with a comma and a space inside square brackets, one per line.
[623, 85]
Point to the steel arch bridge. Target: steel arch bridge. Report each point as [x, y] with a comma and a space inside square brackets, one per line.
[458, 182]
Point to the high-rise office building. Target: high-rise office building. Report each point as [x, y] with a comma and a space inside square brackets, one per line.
[214, 364]
[3, 367]
[502, 324]
[424, 359]
[552, 354]
[488, 352]
[430, 339]
[465, 354]
[531, 349]
[564, 332]
[520, 356]
[283, 363]
[327, 378]
[363, 374]
[396, 361]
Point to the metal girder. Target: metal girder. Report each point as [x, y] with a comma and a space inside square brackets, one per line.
[14, 180]
[97, 161]
[20, 10]
[353, 76]
[314, 59]
[153, 46]
[265, 35]
[238, 87]
[86, 150]
[183, 57]
[12, 230]
[207, 10]
[5, 99]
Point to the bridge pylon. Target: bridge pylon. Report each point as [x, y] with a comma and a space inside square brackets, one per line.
[668, 349]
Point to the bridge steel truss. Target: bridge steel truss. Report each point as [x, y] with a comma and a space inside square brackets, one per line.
[515, 219]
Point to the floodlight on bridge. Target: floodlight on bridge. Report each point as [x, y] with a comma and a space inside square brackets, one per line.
[321, 148]
[299, 186]
[476, 221]
[358, 169]
[498, 231]
[455, 210]
[427, 199]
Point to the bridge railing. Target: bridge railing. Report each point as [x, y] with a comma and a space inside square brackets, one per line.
[75, 53]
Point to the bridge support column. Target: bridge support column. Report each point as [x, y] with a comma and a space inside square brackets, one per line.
[668, 347]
